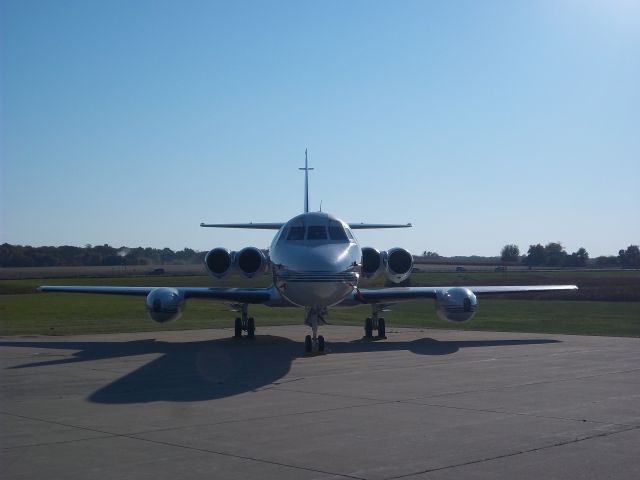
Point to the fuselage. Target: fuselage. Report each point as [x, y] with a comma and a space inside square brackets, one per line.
[315, 260]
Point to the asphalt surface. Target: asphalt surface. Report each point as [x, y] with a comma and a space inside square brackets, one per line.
[423, 404]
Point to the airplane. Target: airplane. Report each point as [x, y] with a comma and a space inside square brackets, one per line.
[316, 263]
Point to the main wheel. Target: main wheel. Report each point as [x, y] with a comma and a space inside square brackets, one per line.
[320, 343]
[382, 328]
[237, 328]
[308, 344]
[368, 328]
[251, 328]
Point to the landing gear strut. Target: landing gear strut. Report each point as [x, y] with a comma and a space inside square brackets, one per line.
[244, 323]
[315, 342]
[375, 322]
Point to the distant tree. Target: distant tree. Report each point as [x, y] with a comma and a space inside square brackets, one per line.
[630, 258]
[555, 254]
[427, 254]
[604, 261]
[185, 254]
[583, 256]
[536, 255]
[576, 259]
[113, 260]
[167, 255]
[67, 255]
[510, 253]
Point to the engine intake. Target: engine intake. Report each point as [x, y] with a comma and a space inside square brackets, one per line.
[456, 304]
[372, 262]
[219, 262]
[399, 264]
[251, 261]
[164, 304]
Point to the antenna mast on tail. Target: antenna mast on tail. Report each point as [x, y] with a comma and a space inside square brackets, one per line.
[306, 182]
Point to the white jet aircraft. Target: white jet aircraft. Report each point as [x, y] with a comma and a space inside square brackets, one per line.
[315, 262]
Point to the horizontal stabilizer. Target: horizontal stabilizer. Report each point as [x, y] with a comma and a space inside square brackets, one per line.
[362, 226]
[256, 226]
[277, 226]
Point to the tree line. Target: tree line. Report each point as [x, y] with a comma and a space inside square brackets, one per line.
[553, 254]
[105, 255]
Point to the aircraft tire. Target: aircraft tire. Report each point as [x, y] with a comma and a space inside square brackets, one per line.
[382, 328]
[368, 328]
[320, 343]
[237, 328]
[251, 328]
[308, 344]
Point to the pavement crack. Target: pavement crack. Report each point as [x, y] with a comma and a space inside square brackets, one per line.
[245, 457]
[517, 414]
[169, 444]
[514, 454]
[528, 384]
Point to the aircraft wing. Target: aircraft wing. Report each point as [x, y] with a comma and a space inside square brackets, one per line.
[250, 225]
[403, 294]
[239, 295]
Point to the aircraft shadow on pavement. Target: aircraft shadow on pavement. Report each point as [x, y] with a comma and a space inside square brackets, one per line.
[211, 369]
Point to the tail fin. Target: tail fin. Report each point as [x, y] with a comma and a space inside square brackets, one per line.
[306, 182]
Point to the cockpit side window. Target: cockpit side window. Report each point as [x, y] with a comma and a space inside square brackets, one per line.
[336, 232]
[317, 232]
[296, 233]
[350, 235]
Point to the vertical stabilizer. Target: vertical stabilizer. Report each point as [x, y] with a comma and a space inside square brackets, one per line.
[306, 182]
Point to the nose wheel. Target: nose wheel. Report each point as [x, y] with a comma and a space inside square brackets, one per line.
[314, 342]
[311, 346]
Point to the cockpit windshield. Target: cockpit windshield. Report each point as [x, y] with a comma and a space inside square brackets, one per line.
[336, 231]
[317, 232]
[296, 233]
[332, 230]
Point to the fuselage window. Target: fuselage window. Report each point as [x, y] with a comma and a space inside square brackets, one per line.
[296, 233]
[317, 232]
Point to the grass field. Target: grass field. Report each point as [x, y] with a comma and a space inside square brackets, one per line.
[23, 312]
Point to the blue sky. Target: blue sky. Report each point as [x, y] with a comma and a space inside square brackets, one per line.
[482, 123]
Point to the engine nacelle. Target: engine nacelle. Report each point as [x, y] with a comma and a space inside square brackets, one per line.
[164, 304]
[399, 264]
[372, 262]
[456, 304]
[219, 262]
[251, 261]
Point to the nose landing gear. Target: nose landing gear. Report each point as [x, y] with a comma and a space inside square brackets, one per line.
[315, 342]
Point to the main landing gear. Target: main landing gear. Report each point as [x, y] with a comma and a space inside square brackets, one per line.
[245, 323]
[315, 342]
[375, 322]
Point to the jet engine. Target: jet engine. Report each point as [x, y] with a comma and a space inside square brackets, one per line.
[372, 262]
[164, 304]
[399, 264]
[456, 304]
[251, 261]
[219, 262]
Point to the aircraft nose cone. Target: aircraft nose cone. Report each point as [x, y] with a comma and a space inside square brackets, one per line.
[317, 277]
